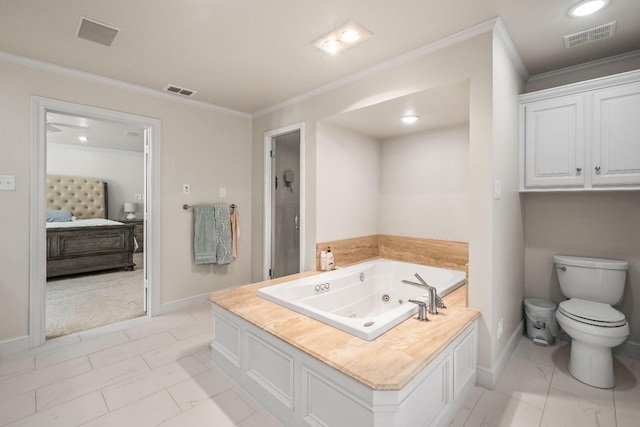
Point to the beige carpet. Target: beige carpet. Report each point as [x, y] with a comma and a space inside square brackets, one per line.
[82, 302]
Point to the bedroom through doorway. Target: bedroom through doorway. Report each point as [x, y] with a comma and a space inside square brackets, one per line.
[109, 248]
[95, 200]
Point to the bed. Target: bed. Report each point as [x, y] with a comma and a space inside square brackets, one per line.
[80, 238]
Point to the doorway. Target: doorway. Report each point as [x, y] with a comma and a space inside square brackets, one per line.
[51, 117]
[111, 153]
[284, 202]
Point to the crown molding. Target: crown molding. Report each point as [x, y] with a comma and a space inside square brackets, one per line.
[587, 66]
[513, 53]
[583, 86]
[70, 72]
[442, 43]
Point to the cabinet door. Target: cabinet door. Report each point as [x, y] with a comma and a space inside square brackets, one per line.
[616, 136]
[554, 142]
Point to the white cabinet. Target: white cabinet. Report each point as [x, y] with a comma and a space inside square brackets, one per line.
[616, 136]
[584, 136]
[554, 142]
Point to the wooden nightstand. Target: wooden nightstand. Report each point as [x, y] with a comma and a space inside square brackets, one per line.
[138, 231]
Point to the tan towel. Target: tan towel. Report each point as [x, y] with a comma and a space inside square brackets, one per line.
[235, 232]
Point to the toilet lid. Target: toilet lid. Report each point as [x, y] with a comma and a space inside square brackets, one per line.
[592, 313]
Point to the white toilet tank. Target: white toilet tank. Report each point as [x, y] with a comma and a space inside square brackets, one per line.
[592, 279]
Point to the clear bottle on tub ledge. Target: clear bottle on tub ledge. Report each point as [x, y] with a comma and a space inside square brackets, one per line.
[323, 260]
[330, 264]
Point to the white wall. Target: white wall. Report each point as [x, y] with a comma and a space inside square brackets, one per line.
[348, 183]
[508, 230]
[425, 185]
[122, 170]
[202, 146]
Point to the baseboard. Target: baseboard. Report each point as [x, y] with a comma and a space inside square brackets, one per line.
[488, 378]
[628, 349]
[171, 306]
[14, 345]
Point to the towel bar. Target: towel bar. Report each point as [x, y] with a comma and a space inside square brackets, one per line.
[185, 207]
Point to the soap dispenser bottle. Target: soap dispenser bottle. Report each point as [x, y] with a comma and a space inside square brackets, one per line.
[330, 264]
[323, 260]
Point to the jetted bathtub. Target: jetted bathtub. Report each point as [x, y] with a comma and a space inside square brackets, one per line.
[366, 299]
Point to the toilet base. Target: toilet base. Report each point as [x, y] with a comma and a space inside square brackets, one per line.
[592, 365]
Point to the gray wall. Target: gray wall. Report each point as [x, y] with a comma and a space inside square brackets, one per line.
[595, 224]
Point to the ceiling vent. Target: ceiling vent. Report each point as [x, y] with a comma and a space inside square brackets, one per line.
[180, 90]
[590, 35]
[96, 32]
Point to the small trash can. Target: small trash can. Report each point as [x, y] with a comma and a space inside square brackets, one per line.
[542, 326]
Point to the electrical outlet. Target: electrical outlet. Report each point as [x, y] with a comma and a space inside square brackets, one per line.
[500, 328]
[186, 188]
[7, 182]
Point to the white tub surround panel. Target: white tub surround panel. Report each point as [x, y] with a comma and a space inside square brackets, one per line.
[299, 389]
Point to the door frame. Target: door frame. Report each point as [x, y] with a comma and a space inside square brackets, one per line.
[37, 247]
[269, 136]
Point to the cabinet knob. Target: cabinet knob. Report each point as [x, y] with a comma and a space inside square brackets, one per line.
[598, 170]
[578, 170]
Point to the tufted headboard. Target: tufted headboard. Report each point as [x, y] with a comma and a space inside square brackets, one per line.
[84, 197]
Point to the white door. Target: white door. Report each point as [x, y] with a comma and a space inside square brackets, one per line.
[554, 142]
[616, 136]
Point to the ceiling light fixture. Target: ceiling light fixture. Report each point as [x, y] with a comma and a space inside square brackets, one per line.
[350, 35]
[347, 35]
[410, 119]
[587, 7]
[331, 45]
[83, 138]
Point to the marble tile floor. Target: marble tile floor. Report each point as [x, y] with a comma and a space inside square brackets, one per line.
[150, 372]
[536, 389]
[143, 372]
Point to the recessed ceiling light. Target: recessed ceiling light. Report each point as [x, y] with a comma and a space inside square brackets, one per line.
[332, 45]
[410, 119]
[83, 138]
[348, 34]
[587, 7]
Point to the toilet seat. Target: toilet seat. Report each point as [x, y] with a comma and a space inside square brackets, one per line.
[592, 313]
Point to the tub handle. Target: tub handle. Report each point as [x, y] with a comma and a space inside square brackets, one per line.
[422, 310]
[561, 267]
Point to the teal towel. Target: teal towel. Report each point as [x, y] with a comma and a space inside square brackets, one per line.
[223, 234]
[204, 238]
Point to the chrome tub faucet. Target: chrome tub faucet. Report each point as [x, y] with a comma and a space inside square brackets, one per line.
[435, 301]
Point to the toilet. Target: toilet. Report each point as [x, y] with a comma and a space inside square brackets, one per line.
[592, 285]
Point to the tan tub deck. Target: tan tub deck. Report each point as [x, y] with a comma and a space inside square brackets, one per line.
[387, 363]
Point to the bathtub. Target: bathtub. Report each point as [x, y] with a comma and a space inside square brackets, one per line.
[366, 299]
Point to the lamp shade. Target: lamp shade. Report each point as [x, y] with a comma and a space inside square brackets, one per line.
[130, 208]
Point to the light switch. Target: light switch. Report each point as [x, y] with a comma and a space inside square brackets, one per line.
[7, 183]
[222, 192]
[497, 189]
